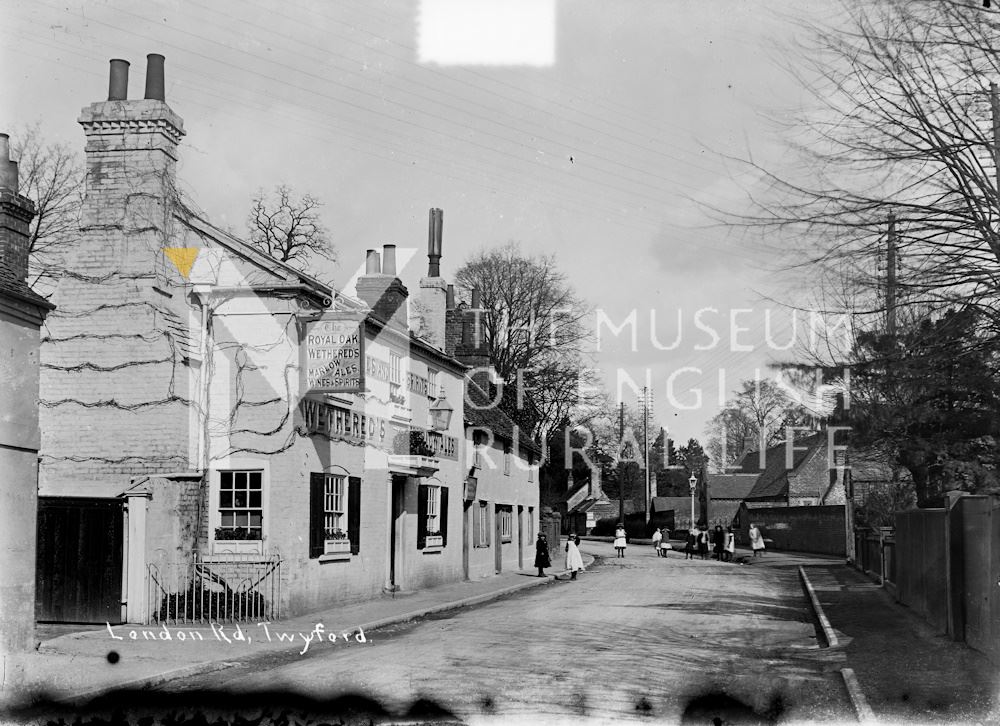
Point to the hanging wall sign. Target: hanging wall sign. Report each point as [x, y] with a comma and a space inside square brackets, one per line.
[334, 352]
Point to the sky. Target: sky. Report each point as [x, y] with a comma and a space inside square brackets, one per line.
[590, 130]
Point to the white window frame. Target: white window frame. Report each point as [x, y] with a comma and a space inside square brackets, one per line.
[433, 389]
[506, 515]
[334, 502]
[433, 510]
[483, 515]
[214, 509]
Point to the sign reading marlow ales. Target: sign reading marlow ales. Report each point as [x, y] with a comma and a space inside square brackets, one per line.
[334, 352]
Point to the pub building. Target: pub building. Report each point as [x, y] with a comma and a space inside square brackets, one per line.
[227, 437]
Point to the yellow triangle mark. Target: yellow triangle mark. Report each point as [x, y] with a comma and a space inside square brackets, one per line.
[182, 257]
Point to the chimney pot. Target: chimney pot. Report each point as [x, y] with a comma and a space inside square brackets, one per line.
[389, 260]
[118, 82]
[434, 243]
[8, 169]
[372, 263]
[154, 77]
[477, 299]
[450, 299]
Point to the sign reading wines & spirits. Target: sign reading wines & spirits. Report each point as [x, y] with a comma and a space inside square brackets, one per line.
[334, 356]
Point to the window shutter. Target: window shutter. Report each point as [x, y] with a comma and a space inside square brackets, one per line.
[443, 516]
[477, 536]
[421, 516]
[316, 531]
[354, 513]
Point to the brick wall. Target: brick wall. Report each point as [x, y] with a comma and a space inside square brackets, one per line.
[114, 388]
[819, 530]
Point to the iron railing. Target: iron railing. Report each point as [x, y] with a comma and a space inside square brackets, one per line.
[224, 588]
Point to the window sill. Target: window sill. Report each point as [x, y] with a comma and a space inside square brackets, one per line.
[481, 547]
[335, 557]
[433, 549]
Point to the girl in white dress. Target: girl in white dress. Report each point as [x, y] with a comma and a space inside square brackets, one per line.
[620, 542]
[574, 562]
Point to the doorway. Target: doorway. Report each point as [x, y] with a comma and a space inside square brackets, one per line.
[396, 530]
[520, 537]
[79, 562]
[497, 540]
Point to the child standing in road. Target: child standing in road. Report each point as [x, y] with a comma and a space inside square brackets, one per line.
[691, 546]
[620, 541]
[542, 554]
[574, 561]
[730, 545]
[756, 541]
[657, 539]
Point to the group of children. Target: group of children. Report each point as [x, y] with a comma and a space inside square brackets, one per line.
[722, 541]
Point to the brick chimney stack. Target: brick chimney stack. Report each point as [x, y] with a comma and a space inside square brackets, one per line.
[381, 290]
[131, 152]
[465, 325]
[16, 213]
[432, 303]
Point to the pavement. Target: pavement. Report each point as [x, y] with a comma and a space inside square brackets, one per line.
[906, 671]
[74, 665]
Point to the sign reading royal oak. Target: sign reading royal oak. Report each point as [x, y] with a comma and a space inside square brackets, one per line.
[334, 354]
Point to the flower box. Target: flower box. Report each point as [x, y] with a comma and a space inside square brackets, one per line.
[336, 546]
[434, 540]
[238, 546]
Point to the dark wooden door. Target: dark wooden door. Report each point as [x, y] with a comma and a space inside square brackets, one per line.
[78, 570]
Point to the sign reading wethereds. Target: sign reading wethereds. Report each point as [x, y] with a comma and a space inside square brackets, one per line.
[334, 356]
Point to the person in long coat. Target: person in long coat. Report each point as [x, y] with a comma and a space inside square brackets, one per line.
[620, 540]
[542, 554]
[574, 561]
[756, 541]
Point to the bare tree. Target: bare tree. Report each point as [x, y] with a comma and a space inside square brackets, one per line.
[288, 228]
[51, 175]
[902, 125]
[534, 328]
[759, 411]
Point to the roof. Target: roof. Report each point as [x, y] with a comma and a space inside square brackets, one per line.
[667, 504]
[11, 284]
[730, 486]
[722, 512]
[772, 481]
[593, 505]
[481, 411]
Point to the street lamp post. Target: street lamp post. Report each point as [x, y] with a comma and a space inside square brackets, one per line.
[693, 483]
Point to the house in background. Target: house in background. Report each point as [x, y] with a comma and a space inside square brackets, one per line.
[725, 493]
[22, 313]
[588, 505]
[801, 472]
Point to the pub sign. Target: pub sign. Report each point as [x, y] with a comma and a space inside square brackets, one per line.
[334, 355]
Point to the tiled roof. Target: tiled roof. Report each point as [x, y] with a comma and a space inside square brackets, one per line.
[722, 512]
[666, 504]
[772, 482]
[730, 486]
[11, 284]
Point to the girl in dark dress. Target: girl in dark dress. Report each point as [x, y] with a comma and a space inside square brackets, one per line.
[542, 554]
[691, 546]
[718, 542]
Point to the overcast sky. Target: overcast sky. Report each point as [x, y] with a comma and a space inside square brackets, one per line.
[617, 114]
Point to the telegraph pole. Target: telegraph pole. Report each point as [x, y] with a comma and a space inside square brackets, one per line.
[645, 446]
[890, 278]
[621, 468]
[995, 106]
